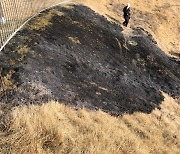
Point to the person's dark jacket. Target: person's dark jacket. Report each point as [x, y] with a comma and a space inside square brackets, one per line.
[126, 11]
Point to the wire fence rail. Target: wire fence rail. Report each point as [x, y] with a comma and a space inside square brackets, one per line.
[14, 13]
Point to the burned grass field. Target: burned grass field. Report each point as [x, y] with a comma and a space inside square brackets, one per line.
[115, 83]
[74, 55]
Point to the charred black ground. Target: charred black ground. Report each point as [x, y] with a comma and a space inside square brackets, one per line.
[84, 60]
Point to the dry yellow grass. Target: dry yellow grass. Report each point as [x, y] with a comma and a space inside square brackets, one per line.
[6, 82]
[43, 21]
[56, 128]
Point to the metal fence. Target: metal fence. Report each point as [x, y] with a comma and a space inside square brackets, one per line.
[14, 13]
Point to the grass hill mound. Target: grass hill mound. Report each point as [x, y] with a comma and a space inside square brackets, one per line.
[74, 55]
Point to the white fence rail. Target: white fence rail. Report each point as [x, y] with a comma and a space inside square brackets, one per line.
[14, 13]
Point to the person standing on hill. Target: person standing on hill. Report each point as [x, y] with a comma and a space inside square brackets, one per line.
[126, 11]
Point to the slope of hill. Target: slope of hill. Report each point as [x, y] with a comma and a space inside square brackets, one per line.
[159, 17]
[75, 56]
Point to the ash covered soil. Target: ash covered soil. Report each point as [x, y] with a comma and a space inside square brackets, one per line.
[78, 57]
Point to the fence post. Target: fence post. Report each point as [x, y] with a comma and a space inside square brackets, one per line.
[2, 19]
